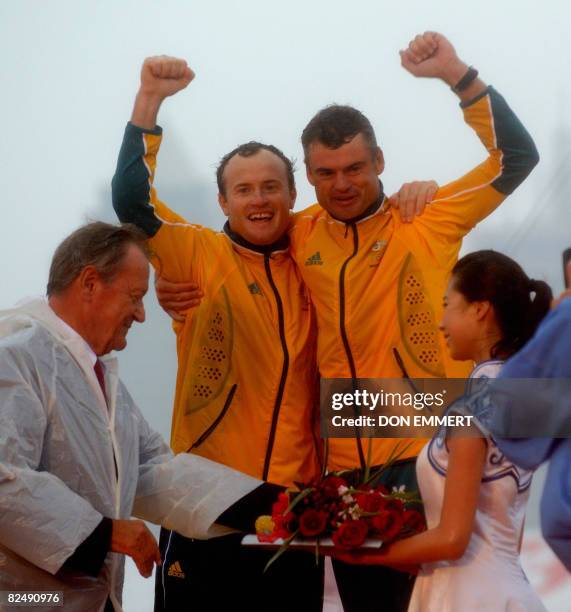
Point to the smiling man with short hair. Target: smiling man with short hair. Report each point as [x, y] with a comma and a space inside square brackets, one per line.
[247, 381]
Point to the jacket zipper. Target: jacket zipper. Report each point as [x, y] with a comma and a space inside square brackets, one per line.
[209, 430]
[343, 329]
[285, 367]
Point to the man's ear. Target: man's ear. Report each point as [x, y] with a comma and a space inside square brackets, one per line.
[88, 281]
[309, 174]
[293, 195]
[223, 204]
[379, 160]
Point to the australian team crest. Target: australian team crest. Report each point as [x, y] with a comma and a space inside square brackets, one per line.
[377, 252]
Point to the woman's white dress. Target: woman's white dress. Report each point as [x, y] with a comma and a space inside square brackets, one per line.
[488, 577]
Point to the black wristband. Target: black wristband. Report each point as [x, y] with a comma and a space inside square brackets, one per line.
[470, 76]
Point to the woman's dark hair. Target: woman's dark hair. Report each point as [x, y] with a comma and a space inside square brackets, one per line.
[519, 303]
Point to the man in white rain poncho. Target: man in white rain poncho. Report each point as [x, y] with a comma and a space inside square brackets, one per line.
[77, 458]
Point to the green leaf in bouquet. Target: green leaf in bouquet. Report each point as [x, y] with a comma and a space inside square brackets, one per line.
[317, 551]
[299, 497]
[281, 550]
[325, 459]
[368, 464]
[408, 497]
[393, 458]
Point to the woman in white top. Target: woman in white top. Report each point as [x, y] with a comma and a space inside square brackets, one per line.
[474, 498]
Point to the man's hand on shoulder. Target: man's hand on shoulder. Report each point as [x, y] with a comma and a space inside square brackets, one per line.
[133, 538]
[412, 198]
[177, 298]
[161, 76]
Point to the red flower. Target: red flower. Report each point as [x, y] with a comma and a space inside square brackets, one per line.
[312, 522]
[281, 520]
[351, 534]
[281, 505]
[281, 531]
[283, 524]
[370, 502]
[414, 521]
[330, 486]
[388, 524]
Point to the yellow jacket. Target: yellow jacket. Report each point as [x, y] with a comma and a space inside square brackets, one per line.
[246, 390]
[377, 283]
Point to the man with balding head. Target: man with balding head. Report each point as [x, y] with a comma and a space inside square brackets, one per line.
[77, 458]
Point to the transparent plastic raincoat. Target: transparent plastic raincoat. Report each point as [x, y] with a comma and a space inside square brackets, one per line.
[59, 443]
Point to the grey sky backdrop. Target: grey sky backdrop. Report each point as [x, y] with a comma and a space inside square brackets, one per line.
[70, 70]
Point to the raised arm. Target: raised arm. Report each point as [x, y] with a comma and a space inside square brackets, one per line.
[134, 196]
[431, 55]
[161, 77]
[458, 206]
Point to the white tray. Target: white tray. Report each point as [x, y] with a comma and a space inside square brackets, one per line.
[325, 544]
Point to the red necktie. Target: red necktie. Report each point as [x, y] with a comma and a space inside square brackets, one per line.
[99, 369]
[99, 372]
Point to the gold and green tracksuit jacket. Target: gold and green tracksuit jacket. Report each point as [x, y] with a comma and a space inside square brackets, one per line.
[246, 392]
[377, 283]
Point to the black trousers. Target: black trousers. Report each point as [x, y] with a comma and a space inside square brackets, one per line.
[370, 588]
[220, 575]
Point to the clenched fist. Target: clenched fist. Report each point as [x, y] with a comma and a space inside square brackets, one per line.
[163, 76]
[431, 55]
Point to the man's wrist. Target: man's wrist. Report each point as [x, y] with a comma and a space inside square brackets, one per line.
[465, 82]
[146, 110]
[454, 72]
[90, 555]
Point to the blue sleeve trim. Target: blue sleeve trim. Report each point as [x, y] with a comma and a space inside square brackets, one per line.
[130, 187]
[520, 155]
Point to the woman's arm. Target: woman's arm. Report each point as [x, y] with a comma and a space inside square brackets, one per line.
[450, 538]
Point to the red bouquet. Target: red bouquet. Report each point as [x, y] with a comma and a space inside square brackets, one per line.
[346, 514]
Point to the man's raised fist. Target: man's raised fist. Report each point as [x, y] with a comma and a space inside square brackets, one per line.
[432, 55]
[163, 76]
